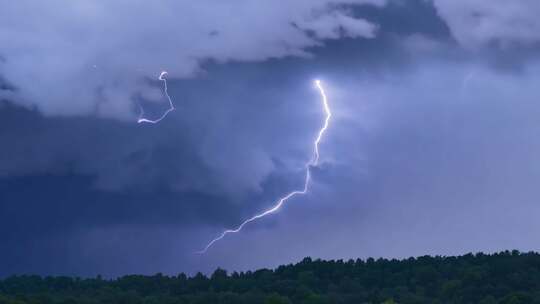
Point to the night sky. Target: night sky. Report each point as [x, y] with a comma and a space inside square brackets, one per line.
[434, 146]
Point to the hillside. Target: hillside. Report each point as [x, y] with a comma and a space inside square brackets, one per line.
[506, 277]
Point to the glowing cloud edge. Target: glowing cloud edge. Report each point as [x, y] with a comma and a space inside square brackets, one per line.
[312, 163]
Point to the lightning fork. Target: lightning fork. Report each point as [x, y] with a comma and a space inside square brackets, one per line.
[171, 105]
[312, 163]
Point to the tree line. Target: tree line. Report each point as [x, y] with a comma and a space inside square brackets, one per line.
[505, 277]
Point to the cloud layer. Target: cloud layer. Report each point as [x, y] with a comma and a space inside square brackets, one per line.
[100, 57]
[475, 23]
[95, 57]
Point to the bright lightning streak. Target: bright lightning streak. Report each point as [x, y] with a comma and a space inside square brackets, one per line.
[171, 105]
[312, 163]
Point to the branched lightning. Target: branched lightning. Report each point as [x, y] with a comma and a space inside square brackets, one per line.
[171, 105]
[312, 163]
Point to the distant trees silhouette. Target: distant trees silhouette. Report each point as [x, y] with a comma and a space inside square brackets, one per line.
[505, 278]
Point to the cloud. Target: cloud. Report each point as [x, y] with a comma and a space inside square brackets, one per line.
[337, 25]
[234, 129]
[431, 150]
[95, 57]
[476, 23]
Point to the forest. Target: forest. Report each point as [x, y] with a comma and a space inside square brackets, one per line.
[507, 277]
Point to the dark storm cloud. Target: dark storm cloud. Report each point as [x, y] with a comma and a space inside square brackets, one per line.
[432, 133]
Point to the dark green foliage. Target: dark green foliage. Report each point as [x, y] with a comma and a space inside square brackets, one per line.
[505, 278]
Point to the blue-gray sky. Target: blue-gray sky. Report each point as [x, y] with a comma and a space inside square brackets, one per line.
[433, 148]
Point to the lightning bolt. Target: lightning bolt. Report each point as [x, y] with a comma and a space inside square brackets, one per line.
[171, 105]
[312, 163]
